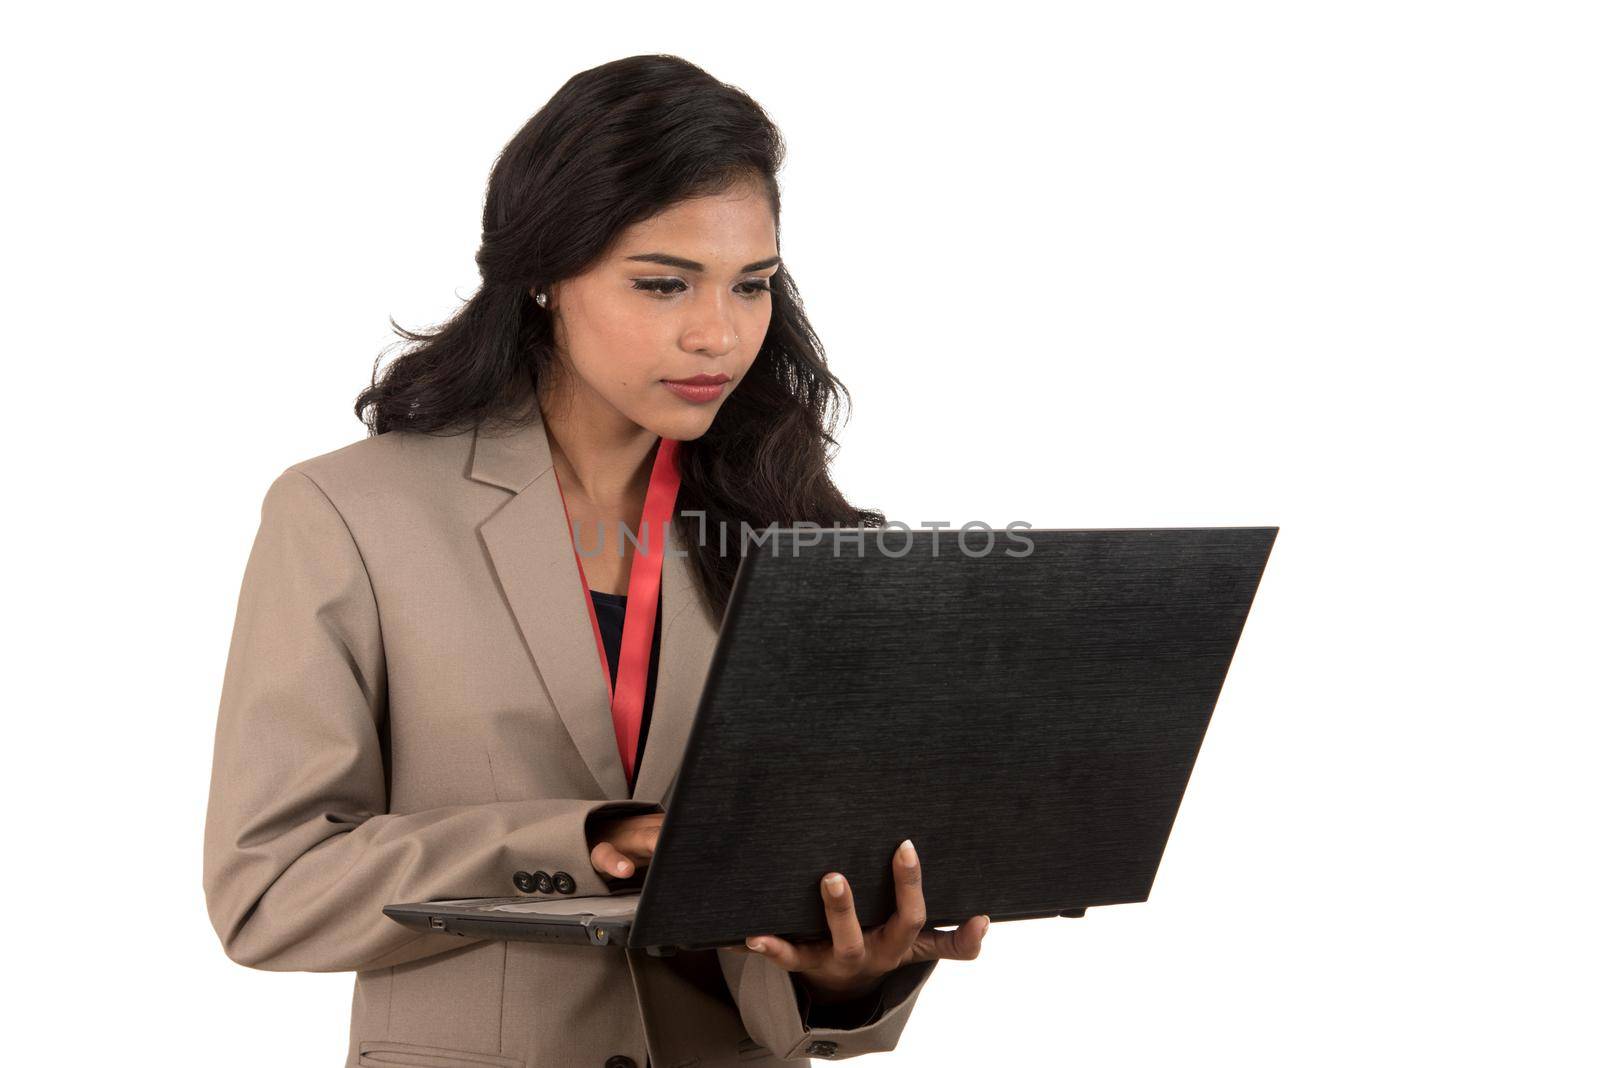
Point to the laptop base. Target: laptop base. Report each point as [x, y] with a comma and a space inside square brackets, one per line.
[595, 921]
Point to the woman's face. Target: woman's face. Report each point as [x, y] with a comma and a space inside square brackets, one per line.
[683, 294]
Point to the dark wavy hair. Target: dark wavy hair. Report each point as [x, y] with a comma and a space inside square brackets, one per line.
[614, 146]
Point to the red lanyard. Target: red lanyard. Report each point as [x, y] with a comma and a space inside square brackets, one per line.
[644, 592]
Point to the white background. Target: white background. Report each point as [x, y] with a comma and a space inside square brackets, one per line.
[1326, 266]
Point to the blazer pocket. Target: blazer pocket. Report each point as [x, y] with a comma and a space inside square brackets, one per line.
[388, 1054]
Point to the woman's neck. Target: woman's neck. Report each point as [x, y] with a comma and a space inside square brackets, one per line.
[599, 453]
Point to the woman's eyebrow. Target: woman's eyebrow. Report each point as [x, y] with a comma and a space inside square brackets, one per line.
[690, 265]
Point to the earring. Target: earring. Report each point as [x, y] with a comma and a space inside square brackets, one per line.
[541, 299]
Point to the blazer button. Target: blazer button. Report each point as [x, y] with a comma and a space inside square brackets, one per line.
[565, 884]
[821, 1048]
[544, 882]
[524, 882]
[619, 1061]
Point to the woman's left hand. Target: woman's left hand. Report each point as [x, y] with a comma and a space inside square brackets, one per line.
[853, 963]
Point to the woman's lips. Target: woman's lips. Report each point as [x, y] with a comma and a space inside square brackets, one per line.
[700, 389]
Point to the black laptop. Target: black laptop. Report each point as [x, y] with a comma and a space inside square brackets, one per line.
[1025, 707]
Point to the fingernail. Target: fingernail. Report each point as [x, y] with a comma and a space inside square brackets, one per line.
[908, 852]
[622, 867]
[983, 926]
[835, 884]
[758, 946]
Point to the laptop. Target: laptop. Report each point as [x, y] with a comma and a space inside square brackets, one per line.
[1026, 707]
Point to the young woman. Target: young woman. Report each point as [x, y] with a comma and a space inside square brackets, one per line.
[451, 676]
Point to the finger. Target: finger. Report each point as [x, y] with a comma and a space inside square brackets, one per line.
[785, 954]
[910, 911]
[639, 842]
[622, 830]
[608, 860]
[849, 946]
[961, 944]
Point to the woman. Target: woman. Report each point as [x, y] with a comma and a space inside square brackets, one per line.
[431, 691]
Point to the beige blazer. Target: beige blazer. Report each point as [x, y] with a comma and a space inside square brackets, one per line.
[414, 709]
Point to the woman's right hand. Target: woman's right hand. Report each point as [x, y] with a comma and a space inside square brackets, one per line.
[619, 847]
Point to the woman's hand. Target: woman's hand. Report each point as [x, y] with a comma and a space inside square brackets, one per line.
[619, 847]
[853, 963]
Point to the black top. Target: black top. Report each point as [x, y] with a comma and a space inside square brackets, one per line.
[608, 612]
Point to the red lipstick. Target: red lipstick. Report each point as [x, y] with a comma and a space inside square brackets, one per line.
[698, 389]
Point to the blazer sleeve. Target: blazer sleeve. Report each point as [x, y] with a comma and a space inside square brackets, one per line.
[300, 852]
[774, 1009]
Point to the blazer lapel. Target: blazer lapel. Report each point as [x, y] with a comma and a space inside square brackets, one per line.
[530, 547]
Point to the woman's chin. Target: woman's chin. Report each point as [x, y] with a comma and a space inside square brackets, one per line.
[684, 425]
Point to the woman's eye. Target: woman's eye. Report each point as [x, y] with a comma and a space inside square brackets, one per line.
[757, 287]
[658, 285]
